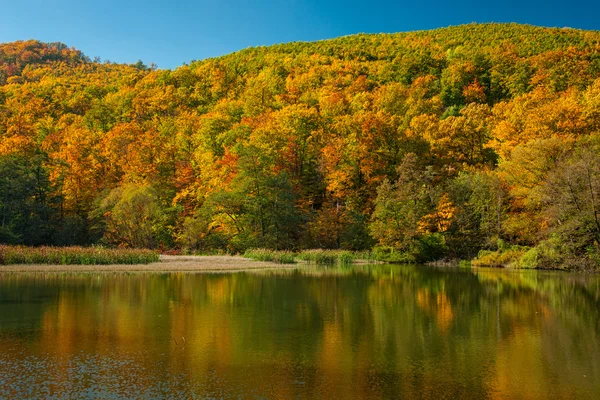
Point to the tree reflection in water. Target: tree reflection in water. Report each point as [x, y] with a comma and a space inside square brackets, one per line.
[347, 332]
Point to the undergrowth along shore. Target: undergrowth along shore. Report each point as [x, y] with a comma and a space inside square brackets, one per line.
[548, 254]
[75, 255]
[508, 256]
[316, 256]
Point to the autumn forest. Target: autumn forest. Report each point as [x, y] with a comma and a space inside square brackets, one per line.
[479, 142]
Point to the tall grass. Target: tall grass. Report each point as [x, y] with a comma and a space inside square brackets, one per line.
[281, 256]
[74, 255]
[314, 256]
[320, 256]
[367, 256]
[345, 258]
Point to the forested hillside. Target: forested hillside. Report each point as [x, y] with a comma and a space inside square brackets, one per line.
[426, 145]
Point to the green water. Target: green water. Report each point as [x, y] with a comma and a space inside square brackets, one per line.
[339, 333]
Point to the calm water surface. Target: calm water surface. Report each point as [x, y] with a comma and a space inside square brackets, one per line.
[339, 333]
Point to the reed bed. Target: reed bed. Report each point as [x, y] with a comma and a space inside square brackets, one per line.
[317, 256]
[74, 255]
[314, 256]
[320, 256]
[277, 256]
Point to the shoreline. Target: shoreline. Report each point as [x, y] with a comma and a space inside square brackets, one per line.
[166, 264]
[224, 263]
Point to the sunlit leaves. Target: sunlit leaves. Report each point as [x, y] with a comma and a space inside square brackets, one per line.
[321, 135]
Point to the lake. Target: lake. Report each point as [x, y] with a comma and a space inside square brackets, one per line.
[339, 332]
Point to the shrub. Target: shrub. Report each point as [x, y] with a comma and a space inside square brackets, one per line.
[547, 254]
[530, 259]
[431, 247]
[392, 255]
[505, 256]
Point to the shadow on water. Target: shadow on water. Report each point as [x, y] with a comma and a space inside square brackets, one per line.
[314, 332]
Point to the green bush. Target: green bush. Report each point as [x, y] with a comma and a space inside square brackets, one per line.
[593, 253]
[530, 259]
[505, 256]
[431, 247]
[548, 254]
[392, 255]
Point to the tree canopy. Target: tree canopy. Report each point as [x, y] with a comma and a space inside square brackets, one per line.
[440, 142]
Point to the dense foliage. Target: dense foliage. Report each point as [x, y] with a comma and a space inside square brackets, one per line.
[427, 145]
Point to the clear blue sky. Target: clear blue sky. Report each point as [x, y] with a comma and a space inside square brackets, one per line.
[170, 33]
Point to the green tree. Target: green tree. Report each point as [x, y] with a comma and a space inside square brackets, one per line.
[25, 212]
[269, 205]
[482, 204]
[571, 198]
[400, 205]
[132, 216]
